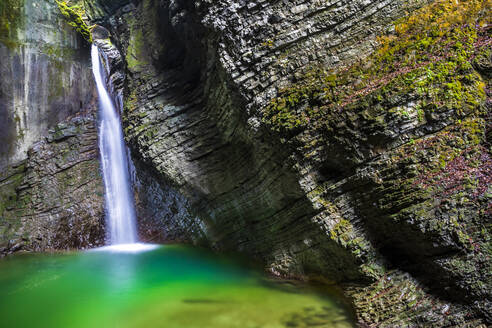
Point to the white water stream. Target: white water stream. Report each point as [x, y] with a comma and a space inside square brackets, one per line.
[120, 209]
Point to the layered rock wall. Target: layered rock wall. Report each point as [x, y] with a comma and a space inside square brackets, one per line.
[246, 136]
[53, 200]
[198, 75]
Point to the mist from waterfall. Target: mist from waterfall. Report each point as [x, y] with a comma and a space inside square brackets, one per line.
[120, 209]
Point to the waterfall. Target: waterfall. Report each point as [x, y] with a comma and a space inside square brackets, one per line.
[120, 208]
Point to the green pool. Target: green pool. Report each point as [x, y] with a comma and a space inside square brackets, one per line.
[159, 286]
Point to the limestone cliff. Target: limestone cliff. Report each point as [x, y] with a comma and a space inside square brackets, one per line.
[50, 188]
[346, 141]
[336, 140]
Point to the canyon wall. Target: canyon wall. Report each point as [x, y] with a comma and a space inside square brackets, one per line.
[50, 189]
[320, 138]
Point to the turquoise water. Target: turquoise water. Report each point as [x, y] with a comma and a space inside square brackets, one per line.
[169, 286]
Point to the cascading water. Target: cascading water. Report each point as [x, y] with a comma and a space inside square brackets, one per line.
[119, 199]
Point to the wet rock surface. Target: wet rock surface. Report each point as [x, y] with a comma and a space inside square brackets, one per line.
[45, 75]
[54, 199]
[51, 194]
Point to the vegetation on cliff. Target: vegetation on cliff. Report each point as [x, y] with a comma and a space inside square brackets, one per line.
[416, 115]
[74, 15]
[10, 21]
[430, 53]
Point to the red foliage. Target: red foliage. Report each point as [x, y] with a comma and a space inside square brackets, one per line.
[472, 164]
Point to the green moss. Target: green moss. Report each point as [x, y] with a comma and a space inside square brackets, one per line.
[12, 202]
[11, 19]
[268, 44]
[74, 14]
[152, 132]
[143, 29]
[135, 50]
[397, 300]
[141, 128]
[340, 230]
[449, 173]
[345, 235]
[431, 55]
[373, 270]
[136, 56]
[56, 52]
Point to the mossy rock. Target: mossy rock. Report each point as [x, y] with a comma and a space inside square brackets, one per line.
[11, 19]
[74, 16]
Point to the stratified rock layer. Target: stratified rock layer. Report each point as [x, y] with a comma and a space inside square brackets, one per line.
[198, 75]
[243, 140]
[54, 199]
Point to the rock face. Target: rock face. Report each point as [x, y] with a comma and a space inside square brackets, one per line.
[50, 189]
[45, 75]
[198, 75]
[286, 131]
[54, 198]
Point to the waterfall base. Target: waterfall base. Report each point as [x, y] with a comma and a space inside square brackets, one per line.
[127, 248]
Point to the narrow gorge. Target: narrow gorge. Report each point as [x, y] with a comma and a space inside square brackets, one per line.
[340, 147]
